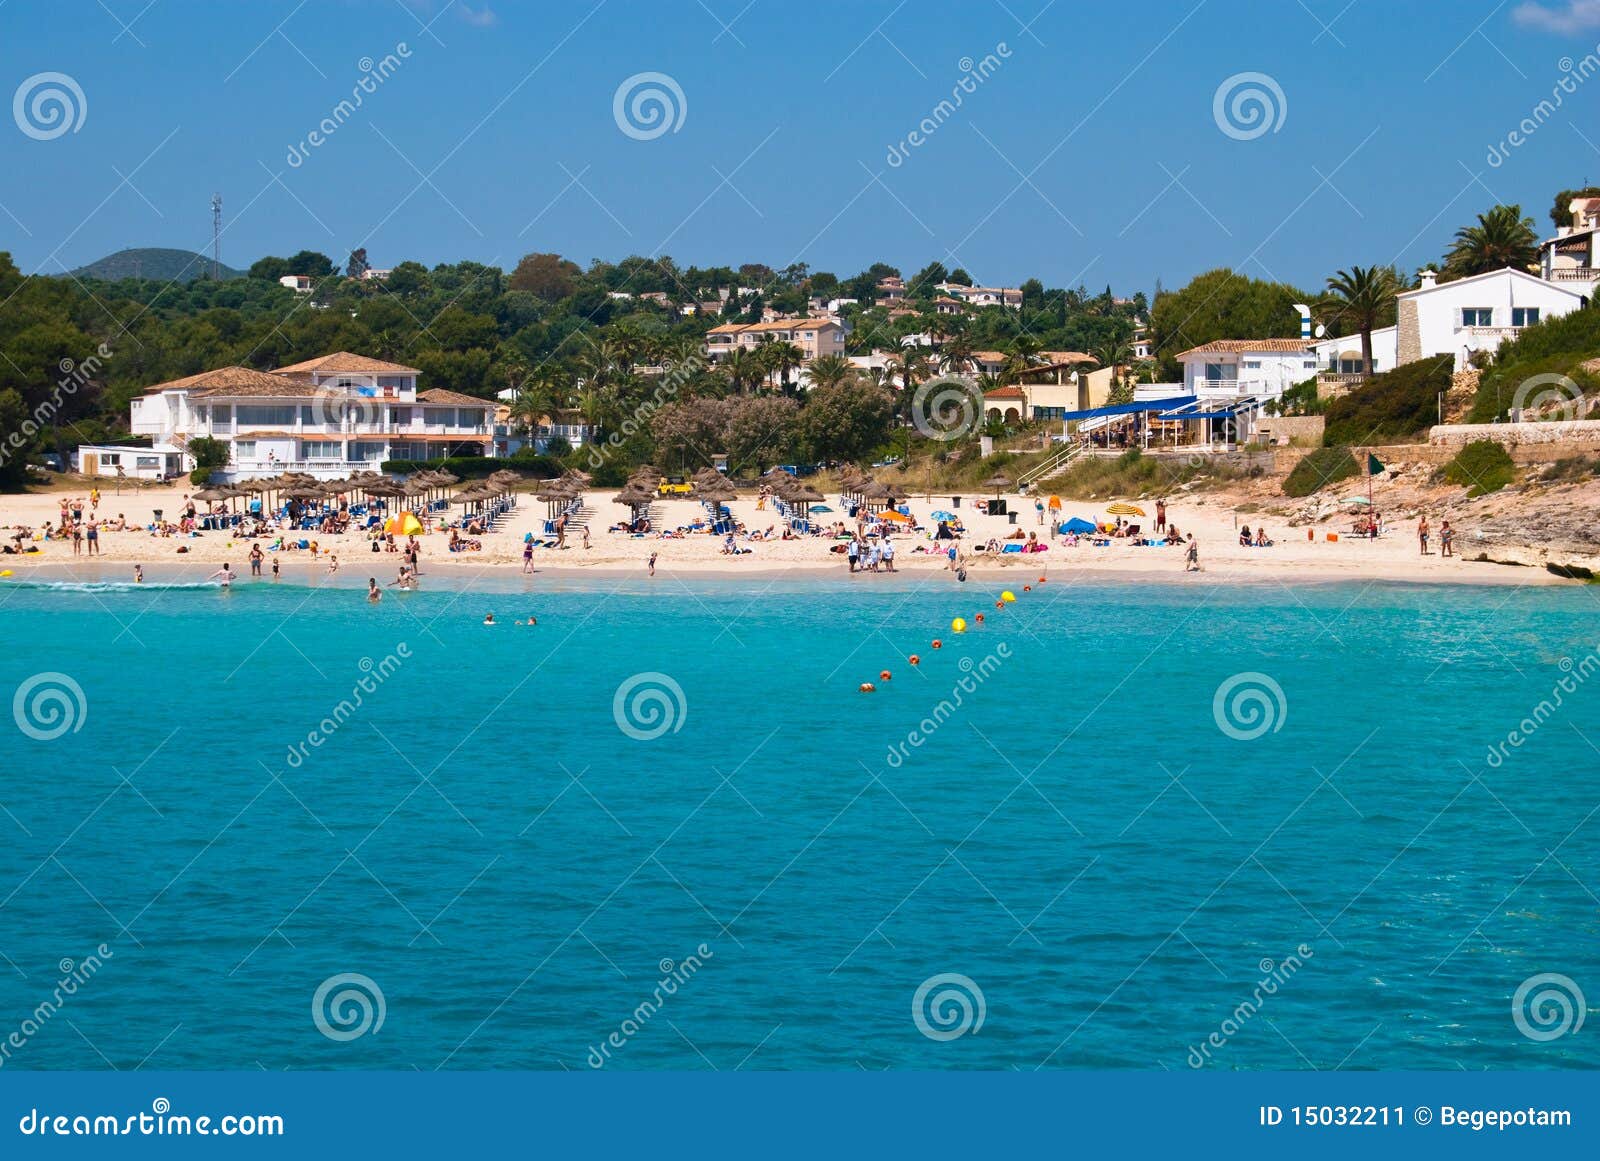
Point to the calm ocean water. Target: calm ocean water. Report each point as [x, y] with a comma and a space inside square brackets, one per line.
[1089, 856]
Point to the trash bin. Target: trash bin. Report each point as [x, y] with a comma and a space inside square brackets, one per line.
[157, 514]
[955, 501]
[1011, 517]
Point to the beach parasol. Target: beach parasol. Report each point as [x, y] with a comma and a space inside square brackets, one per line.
[1362, 500]
[942, 514]
[1122, 509]
[897, 517]
[998, 483]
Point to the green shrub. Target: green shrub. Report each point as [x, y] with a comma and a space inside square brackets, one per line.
[1395, 407]
[1483, 466]
[1133, 474]
[1326, 465]
[201, 476]
[1552, 347]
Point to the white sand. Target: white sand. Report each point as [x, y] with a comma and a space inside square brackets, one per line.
[1294, 556]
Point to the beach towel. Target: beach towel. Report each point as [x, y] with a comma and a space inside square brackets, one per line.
[1011, 548]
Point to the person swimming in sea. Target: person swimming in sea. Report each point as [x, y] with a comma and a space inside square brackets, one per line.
[488, 618]
[530, 622]
[374, 593]
[225, 573]
[138, 574]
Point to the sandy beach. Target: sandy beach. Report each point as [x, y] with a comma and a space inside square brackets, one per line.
[1294, 555]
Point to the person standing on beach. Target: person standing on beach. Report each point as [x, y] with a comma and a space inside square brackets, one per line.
[274, 568]
[225, 574]
[77, 538]
[1161, 515]
[888, 555]
[852, 552]
[586, 537]
[1447, 539]
[138, 574]
[527, 553]
[1038, 507]
[1191, 558]
[94, 538]
[94, 500]
[255, 560]
[1422, 534]
[651, 564]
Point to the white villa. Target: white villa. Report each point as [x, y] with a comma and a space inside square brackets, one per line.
[1233, 368]
[327, 417]
[1006, 296]
[1572, 257]
[1476, 313]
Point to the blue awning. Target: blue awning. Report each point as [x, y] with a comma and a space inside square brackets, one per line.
[1132, 408]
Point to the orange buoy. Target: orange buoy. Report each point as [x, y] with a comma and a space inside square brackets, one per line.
[914, 659]
[999, 604]
[1041, 580]
[979, 618]
[938, 644]
[885, 675]
[867, 687]
[1027, 588]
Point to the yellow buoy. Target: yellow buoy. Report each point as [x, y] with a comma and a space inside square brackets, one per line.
[959, 625]
[1008, 596]
[6, 572]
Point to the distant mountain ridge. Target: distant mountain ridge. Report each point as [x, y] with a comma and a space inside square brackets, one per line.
[153, 262]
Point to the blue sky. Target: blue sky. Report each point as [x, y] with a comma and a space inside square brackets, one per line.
[1091, 152]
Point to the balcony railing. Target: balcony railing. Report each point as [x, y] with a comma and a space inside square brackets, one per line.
[1574, 274]
[1494, 332]
[1341, 378]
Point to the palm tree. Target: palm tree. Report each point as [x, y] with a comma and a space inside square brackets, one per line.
[1364, 295]
[956, 355]
[786, 357]
[1502, 237]
[1022, 356]
[830, 370]
[744, 369]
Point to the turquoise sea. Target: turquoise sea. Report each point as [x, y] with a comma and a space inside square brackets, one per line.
[1137, 826]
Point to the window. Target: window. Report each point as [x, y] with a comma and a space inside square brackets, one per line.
[222, 413]
[1477, 316]
[244, 449]
[401, 414]
[325, 449]
[266, 416]
[1308, 364]
[1252, 364]
[111, 459]
[1524, 316]
[394, 381]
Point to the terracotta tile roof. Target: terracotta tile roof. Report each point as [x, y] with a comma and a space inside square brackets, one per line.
[238, 381]
[344, 363]
[777, 324]
[1059, 358]
[1004, 393]
[440, 395]
[1228, 346]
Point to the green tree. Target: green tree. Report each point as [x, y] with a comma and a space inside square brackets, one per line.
[1561, 211]
[1220, 304]
[1502, 237]
[547, 276]
[847, 422]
